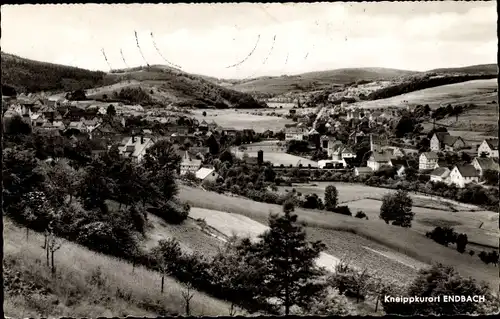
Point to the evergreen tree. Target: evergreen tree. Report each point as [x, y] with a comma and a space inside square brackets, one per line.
[291, 275]
[331, 197]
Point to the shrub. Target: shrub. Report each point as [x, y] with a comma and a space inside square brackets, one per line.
[361, 214]
[344, 210]
[172, 212]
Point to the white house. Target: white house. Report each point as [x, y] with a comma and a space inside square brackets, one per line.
[427, 160]
[189, 164]
[485, 163]
[463, 174]
[295, 133]
[379, 159]
[443, 141]
[440, 174]
[207, 174]
[400, 165]
[135, 147]
[489, 147]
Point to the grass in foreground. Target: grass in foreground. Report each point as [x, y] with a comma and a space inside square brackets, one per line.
[406, 241]
[89, 284]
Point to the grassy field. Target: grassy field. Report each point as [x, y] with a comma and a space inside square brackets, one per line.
[189, 234]
[427, 219]
[240, 119]
[89, 284]
[406, 241]
[274, 154]
[465, 92]
[430, 211]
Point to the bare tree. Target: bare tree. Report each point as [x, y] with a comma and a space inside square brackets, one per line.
[53, 244]
[187, 295]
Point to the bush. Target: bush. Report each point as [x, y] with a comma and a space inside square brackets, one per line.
[361, 214]
[172, 212]
[343, 210]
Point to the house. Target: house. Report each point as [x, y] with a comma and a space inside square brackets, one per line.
[91, 124]
[400, 165]
[325, 141]
[379, 159]
[441, 163]
[59, 125]
[135, 147]
[339, 152]
[440, 174]
[427, 160]
[203, 126]
[361, 171]
[444, 141]
[462, 175]
[485, 163]
[189, 163]
[79, 126]
[107, 130]
[295, 133]
[207, 174]
[229, 131]
[394, 151]
[489, 147]
[212, 126]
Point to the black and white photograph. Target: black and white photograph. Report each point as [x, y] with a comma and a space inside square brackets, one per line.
[250, 159]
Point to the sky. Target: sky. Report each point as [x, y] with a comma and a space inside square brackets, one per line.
[219, 39]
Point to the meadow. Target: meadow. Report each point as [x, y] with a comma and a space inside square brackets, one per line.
[465, 92]
[242, 119]
[275, 153]
[480, 226]
[89, 284]
[327, 226]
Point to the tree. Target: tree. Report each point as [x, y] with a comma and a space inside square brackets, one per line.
[17, 126]
[187, 295]
[213, 145]
[96, 186]
[461, 243]
[111, 111]
[291, 275]
[440, 280]
[331, 198]
[53, 244]
[166, 253]
[490, 176]
[397, 207]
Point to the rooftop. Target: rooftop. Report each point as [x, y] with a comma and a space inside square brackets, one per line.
[467, 170]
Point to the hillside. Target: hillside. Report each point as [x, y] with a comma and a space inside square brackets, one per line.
[34, 76]
[480, 68]
[87, 284]
[315, 80]
[161, 84]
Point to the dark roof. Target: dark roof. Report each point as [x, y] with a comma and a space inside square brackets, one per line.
[431, 155]
[467, 170]
[487, 163]
[399, 162]
[441, 135]
[492, 143]
[450, 140]
[381, 157]
[439, 171]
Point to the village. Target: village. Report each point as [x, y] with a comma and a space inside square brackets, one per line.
[335, 131]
